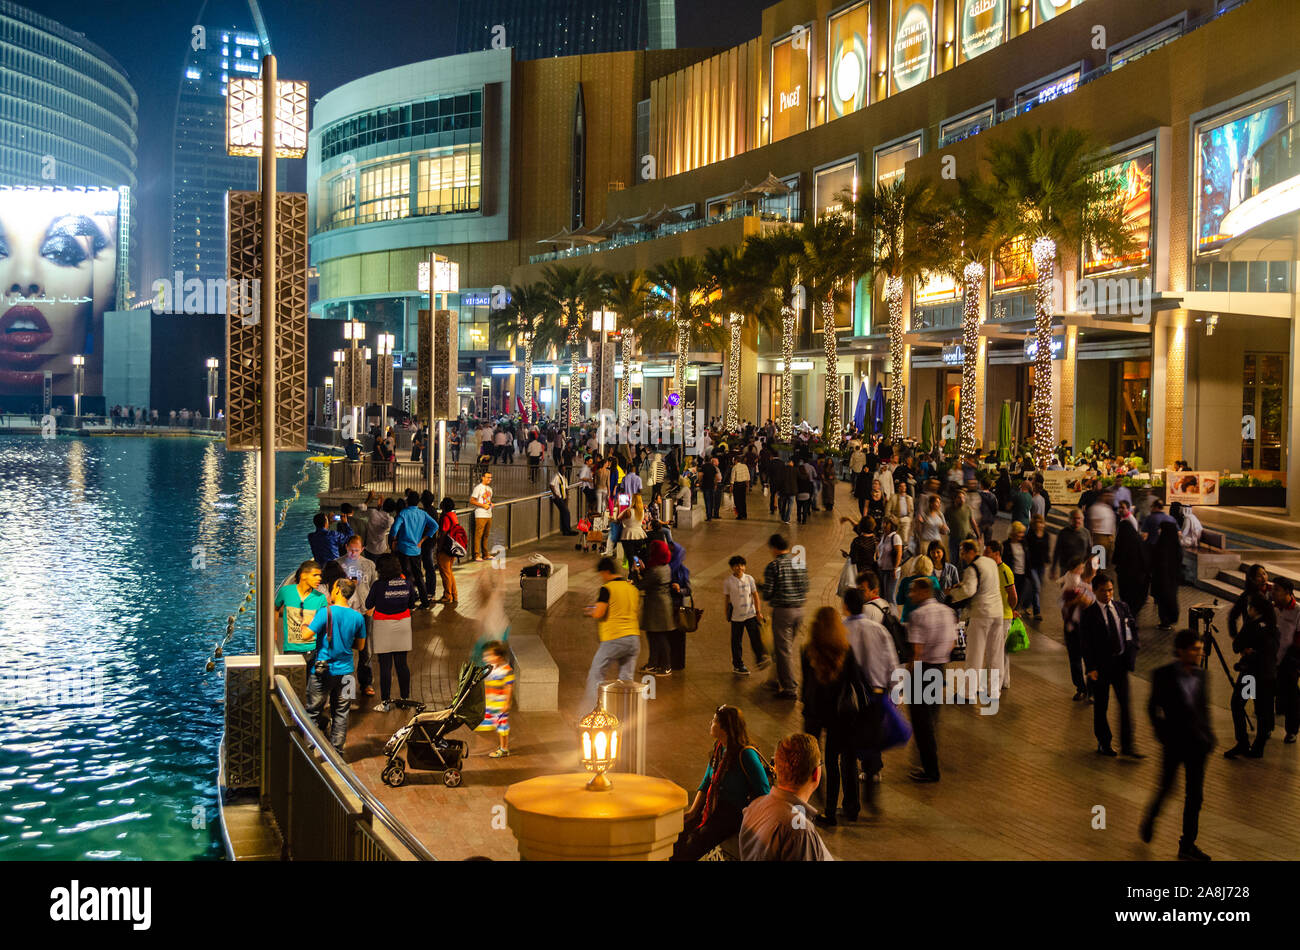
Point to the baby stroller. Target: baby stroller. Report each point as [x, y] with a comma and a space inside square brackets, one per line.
[424, 737]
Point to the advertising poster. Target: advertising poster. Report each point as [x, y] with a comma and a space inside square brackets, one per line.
[848, 60]
[1051, 9]
[934, 289]
[790, 66]
[1132, 177]
[59, 275]
[983, 26]
[1013, 266]
[892, 160]
[1064, 486]
[913, 46]
[1192, 488]
[829, 184]
[1224, 147]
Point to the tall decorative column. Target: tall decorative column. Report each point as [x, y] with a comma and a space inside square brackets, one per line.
[1065, 393]
[1175, 388]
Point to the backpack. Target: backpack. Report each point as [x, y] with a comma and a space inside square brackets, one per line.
[887, 554]
[855, 710]
[457, 540]
[897, 632]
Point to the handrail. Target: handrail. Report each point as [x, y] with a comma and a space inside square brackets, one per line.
[308, 729]
[665, 230]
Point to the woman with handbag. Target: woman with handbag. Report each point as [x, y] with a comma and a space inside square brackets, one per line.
[658, 617]
[830, 671]
[681, 588]
[444, 552]
[735, 777]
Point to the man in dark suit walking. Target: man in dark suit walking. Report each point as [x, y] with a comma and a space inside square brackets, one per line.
[1110, 645]
[1179, 712]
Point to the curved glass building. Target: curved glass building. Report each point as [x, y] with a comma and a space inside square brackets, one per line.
[67, 109]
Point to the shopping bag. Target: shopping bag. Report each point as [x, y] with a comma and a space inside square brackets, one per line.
[894, 729]
[765, 635]
[848, 578]
[1017, 637]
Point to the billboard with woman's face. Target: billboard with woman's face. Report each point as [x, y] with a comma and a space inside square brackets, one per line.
[58, 275]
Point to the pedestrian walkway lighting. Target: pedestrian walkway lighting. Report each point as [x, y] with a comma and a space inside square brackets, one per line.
[78, 382]
[598, 731]
[212, 364]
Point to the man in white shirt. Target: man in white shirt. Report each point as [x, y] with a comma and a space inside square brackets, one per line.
[375, 522]
[932, 631]
[1126, 514]
[744, 608]
[1102, 521]
[481, 500]
[858, 459]
[560, 499]
[499, 441]
[984, 639]
[534, 451]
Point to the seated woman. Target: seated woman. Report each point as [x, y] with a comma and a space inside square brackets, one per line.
[735, 777]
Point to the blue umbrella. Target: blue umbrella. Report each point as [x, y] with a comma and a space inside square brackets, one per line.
[860, 413]
[878, 409]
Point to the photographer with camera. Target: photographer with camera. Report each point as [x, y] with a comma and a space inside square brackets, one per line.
[1257, 642]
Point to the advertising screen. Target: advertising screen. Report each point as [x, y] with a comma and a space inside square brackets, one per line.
[848, 60]
[59, 274]
[1132, 176]
[913, 45]
[1051, 89]
[892, 159]
[790, 66]
[1224, 147]
[830, 183]
[1051, 9]
[983, 26]
[1013, 266]
[933, 289]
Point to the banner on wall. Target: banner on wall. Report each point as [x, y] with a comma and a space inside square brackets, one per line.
[829, 184]
[1064, 486]
[1193, 488]
[1224, 148]
[848, 58]
[912, 55]
[1133, 177]
[983, 26]
[790, 70]
[891, 160]
[1013, 266]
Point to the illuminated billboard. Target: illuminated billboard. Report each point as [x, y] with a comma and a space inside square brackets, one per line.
[830, 183]
[1224, 147]
[1051, 9]
[983, 26]
[848, 60]
[1013, 266]
[912, 57]
[790, 68]
[934, 289]
[60, 274]
[1133, 179]
[892, 159]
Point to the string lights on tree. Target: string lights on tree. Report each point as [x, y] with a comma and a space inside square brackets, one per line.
[972, 287]
[526, 338]
[834, 424]
[625, 390]
[897, 385]
[787, 373]
[735, 322]
[1044, 253]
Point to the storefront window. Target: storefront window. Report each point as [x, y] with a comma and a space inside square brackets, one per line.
[1135, 397]
[1263, 400]
[451, 181]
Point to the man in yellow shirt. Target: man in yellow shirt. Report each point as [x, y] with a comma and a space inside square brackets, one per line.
[617, 610]
[1007, 584]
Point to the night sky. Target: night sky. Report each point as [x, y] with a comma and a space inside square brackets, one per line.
[326, 42]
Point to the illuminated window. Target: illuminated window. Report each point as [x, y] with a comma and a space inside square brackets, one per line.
[451, 181]
[385, 192]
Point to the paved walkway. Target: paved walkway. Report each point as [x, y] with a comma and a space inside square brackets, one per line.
[1025, 783]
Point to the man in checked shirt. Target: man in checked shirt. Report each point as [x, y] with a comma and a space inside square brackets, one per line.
[785, 588]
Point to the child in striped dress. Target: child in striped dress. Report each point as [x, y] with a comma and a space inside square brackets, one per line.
[498, 689]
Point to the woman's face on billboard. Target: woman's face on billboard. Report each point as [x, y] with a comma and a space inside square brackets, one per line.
[55, 250]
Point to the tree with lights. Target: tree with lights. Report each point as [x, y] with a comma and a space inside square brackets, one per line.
[1047, 187]
[774, 262]
[628, 295]
[572, 293]
[688, 293]
[520, 323]
[740, 298]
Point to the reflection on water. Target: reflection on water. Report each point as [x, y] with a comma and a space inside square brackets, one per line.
[109, 726]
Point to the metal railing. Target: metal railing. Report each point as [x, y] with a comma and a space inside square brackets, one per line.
[771, 218]
[66, 420]
[322, 809]
[396, 477]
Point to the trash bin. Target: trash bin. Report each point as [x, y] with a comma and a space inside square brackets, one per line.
[626, 699]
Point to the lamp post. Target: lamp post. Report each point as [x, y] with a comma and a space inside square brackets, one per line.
[78, 383]
[212, 365]
[598, 733]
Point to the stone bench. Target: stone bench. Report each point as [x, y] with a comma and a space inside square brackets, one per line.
[691, 517]
[540, 593]
[537, 686]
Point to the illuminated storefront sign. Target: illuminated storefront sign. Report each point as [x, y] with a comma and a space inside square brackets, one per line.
[983, 26]
[892, 159]
[913, 48]
[790, 66]
[934, 289]
[1031, 347]
[954, 130]
[1013, 266]
[848, 59]
[954, 354]
[1224, 148]
[1051, 9]
[1059, 85]
[829, 184]
[1133, 179]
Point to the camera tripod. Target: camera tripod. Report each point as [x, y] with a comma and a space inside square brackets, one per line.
[1202, 616]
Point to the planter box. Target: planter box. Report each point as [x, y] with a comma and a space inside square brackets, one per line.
[691, 517]
[1253, 497]
[539, 593]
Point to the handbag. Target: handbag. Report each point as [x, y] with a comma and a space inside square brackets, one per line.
[688, 615]
[894, 729]
[1017, 637]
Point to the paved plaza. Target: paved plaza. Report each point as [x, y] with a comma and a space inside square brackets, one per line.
[1024, 783]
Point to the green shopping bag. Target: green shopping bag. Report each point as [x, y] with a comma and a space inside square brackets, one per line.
[1017, 636]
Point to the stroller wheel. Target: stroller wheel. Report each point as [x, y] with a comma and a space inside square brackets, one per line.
[451, 778]
[395, 774]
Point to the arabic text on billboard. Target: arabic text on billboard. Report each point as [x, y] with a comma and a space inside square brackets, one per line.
[1132, 178]
[913, 61]
[848, 60]
[59, 277]
[1223, 153]
[983, 25]
[790, 85]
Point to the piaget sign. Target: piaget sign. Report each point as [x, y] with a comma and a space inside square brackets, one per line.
[913, 47]
[983, 24]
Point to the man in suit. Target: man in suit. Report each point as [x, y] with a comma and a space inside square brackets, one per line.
[1110, 645]
[1179, 712]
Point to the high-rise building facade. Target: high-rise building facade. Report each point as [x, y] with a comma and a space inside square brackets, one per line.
[202, 172]
[537, 29]
[67, 109]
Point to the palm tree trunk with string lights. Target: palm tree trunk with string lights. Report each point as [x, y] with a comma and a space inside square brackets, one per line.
[897, 384]
[787, 374]
[835, 421]
[528, 378]
[679, 373]
[1044, 251]
[625, 388]
[575, 387]
[972, 287]
[732, 422]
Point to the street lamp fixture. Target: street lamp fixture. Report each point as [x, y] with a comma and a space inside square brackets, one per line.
[212, 364]
[598, 733]
[78, 383]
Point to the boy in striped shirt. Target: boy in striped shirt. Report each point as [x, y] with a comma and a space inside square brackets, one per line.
[498, 690]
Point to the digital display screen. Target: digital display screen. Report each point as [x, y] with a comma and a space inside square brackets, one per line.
[913, 47]
[848, 59]
[1133, 178]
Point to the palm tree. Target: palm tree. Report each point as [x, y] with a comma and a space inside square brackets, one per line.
[520, 320]
[628, 295]
[572, 293]
[775, 262]
[740, 296]
[690, 292]
[898, 219]
[1047, 188]
[966, 241]
[833, 256]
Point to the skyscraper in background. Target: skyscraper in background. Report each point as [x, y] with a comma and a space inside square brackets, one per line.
[202, 172]
[537, 29]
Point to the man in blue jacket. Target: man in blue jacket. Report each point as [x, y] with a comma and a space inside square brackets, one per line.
[411, 528]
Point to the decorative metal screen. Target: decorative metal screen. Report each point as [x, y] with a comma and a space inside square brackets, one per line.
[439, 365]
[243, 329]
